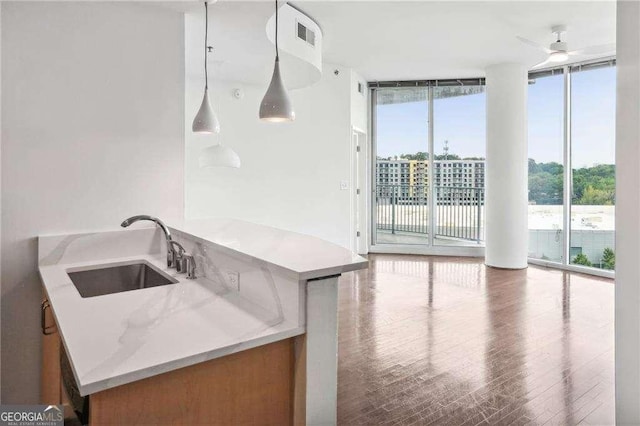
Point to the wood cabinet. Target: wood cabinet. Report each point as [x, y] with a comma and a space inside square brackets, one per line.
[252, 387]
[50, 379]
[52, 391]
[261, 386]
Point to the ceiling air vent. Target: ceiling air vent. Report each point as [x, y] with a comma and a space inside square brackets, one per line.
[307, 35]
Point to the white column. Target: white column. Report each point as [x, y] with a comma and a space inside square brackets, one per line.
[627, 299]
[322, 352]
[506, 167]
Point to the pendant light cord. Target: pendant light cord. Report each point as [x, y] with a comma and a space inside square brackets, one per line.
[206, 48]
[277, 56]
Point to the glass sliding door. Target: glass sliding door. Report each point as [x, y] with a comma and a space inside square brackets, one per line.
[593, 106]
[401, 210]
[459, 141]
[429, 143]
[546, 167]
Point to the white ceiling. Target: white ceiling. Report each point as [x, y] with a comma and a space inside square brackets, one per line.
[242, 51]
[237, 32]
[398, 40]
[395, 40]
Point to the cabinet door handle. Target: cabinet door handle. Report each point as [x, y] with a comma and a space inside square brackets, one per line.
[46, 330]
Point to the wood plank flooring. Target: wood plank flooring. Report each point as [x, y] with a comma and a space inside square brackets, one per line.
[448, 341]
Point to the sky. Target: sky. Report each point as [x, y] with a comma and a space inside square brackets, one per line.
[402, 128]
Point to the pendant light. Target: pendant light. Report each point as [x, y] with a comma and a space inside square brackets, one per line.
[206, 120]
[219, 156]
[276, 105]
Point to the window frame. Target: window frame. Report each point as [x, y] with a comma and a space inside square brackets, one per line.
[567, 71]
[430, 248]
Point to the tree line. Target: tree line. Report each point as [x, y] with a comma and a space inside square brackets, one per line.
[424, 156]
[591, 185]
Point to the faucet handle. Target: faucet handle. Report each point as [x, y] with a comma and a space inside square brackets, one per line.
[183, 261]
[189, 264]
[174, 258]
[186, 263]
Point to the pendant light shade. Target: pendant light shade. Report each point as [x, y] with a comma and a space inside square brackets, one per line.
[206, 121]
[219, 156]
[276, 105]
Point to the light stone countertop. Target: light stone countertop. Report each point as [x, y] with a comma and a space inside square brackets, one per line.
[304, 256]
[124, 337]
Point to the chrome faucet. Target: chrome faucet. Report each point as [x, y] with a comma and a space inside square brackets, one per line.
[171, 253]
[179, 259]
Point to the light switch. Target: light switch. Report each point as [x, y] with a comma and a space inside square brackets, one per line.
[344, 185]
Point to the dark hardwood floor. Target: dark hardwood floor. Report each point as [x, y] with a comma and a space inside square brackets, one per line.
[443, 340]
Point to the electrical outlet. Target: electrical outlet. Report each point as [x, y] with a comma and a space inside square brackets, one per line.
[233, 278]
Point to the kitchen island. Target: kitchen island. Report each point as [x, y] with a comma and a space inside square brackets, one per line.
[253, 338]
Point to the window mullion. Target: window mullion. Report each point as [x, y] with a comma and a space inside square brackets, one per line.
[430, 173]
[568, 182]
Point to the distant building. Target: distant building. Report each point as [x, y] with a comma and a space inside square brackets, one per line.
[457, 182]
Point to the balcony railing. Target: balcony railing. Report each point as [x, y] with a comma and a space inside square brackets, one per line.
[405, 209]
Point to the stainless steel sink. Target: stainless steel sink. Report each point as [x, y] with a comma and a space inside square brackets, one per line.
[116, 279]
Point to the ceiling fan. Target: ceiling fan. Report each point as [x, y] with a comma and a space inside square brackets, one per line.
[558, 50]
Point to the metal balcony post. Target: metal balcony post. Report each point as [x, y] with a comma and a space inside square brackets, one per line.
[478, 215]
[393, 210]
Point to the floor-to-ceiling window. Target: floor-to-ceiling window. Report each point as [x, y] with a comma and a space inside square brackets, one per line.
[546, 167]
[572, 165]
[459, 142]
[401, 210]
[429, 163]
[593, 110]
[429, 145]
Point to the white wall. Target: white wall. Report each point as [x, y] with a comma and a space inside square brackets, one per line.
[92, 132]
[627, 298]
[291, 172]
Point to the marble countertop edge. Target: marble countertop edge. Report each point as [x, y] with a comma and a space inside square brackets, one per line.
[166, 367]
[323, 269]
